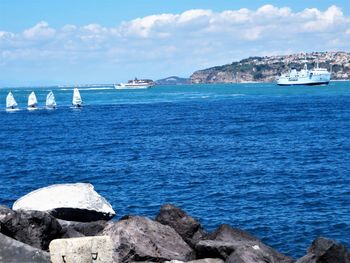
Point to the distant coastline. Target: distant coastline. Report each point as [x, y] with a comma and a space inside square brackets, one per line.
[249, 70]
[266, 69]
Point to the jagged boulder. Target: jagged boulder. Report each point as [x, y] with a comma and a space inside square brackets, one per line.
[324, 250]
[142, 239]
[34, 228]
[185, 225]
[73, 202]
[226, 241]
[13, 251]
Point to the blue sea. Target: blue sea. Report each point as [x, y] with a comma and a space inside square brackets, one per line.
[274, 161]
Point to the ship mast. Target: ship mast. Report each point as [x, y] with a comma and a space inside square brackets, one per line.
[305, 61]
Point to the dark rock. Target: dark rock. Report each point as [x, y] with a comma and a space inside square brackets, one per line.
[185, 225]
[81, 229]
[74, 202]
[141, 239]
[227, 233]
[77, 214]
[226, 240]
[207, 260]
[4, 212]
[13, 251]
[34, 228]
[214, 249]
[251, 254]
[199, 235]
[324, 250]
[203, 260]
[71, 233]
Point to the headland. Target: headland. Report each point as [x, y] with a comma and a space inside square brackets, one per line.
[266, 69]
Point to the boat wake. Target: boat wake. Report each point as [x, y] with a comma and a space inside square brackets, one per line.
[89, 88]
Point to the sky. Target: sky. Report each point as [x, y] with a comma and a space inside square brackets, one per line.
[103, 41]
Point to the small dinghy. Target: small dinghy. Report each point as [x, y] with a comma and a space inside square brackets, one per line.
[32, 102]
[11, 104]
[50, 101]
[77, 101]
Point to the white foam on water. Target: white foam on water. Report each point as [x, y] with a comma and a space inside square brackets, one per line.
[96, 88]
[88, 88]
[236, 95]
[12, 110]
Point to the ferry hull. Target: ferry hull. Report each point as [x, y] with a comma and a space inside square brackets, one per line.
[303, 84]
[304, 81]
[132, 87]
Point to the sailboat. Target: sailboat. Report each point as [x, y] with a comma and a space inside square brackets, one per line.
[77, 101]
[32, 102]
[50, 101]
[11, 104]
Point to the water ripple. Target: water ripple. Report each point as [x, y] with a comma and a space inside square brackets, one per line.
[273, 162]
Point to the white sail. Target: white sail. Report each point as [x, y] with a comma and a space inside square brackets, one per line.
[32, 101]
[77, 101]
[10, 101]
[50, 100]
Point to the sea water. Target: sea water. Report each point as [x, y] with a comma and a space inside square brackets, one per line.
[274, 161]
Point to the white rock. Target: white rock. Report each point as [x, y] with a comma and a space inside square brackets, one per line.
[82, 250]
[74, 202]
[256, 247]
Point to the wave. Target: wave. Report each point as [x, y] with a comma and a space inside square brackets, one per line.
[236, 95]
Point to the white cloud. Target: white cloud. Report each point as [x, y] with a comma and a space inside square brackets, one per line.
[143, 27]
[69, 28]
[318, 21]
[253, 33]
[178, 43]
[235, 17]
[195, 15]
[6, 35]
[272, 11]
[39, 31]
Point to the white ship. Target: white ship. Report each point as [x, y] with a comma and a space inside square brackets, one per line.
[316, 76]
[135, 84]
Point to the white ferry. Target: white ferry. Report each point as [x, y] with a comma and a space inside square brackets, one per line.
[136, 84]
[316, 76]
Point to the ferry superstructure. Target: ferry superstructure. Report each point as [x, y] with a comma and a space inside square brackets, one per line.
[135, 84]
[316, 76]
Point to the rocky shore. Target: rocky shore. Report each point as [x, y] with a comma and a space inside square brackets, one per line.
[51, 235]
